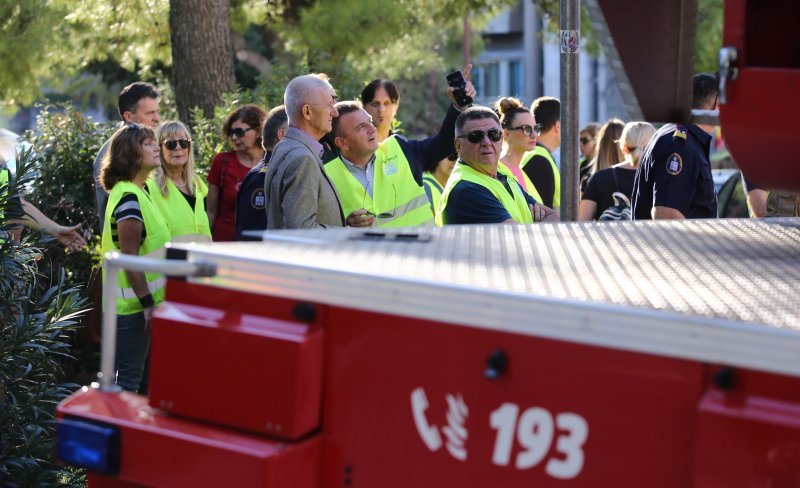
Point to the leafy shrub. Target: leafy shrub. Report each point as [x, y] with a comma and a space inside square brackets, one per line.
[35, 329]
[268, 93]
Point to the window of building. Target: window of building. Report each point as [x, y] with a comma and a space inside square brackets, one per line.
[491, 79]
[515, 75]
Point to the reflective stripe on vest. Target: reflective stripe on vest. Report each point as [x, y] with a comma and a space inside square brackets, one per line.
[529, 186]
[153, 246]
[436, 191]
[543, 152]
[185, 224]
[395, 191]
[516, 205]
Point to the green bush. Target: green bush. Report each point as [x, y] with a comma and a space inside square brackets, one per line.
[35, 330]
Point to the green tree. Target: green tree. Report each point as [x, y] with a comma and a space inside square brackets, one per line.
[35, 329]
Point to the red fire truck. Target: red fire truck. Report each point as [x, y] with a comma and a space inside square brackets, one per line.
[573, 354]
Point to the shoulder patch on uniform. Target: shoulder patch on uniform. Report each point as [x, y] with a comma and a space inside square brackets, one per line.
[680, 133]
[674, 164]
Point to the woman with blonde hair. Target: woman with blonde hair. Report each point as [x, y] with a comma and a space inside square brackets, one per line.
[608, 193]
[177, 190]
[520, 132]
[133, 225]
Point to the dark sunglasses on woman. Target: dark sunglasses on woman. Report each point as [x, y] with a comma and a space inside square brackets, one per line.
[238, 132]
[171, 144]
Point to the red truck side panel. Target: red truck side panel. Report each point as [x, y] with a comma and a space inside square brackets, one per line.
[157, 450]
[407, 403]
[758, 120]
[247, 371]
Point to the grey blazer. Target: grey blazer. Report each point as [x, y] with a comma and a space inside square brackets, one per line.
[299, 194]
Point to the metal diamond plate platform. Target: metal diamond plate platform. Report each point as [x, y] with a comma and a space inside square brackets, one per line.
[590, 281]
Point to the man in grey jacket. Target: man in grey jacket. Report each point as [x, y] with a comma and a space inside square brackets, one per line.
[298, 193]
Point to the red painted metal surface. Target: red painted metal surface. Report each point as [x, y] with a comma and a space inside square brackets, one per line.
[235, 368]
[159, 450]
[638, 410]
[749, 434]
[758, 121]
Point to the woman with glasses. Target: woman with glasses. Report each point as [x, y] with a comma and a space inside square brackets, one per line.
[243, 128]
[133, 225]
[519, 136]
[608, 193]
[177, 190]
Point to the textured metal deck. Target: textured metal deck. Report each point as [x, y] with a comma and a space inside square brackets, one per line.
[728, 273]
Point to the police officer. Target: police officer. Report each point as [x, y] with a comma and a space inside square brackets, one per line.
[251, 202]
[674, 179]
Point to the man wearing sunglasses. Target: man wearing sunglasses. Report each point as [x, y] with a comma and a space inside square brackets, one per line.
[385, 179]
[477, 191]
[138, 103]
[673, 180]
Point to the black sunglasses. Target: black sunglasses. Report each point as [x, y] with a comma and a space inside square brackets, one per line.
[585, 140]
[527, 130]
[238, 132]
[476, 136]
[172, 144]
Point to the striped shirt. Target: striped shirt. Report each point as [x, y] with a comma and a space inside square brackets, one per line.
[127, 208]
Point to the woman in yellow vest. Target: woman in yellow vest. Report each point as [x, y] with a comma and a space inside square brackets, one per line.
[177, 190]
[519, 136]
[133, 225]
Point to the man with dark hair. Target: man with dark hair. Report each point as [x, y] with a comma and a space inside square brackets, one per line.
[251, 201]
[673, 180]
[137, 103]
[386, 178]
[478, 191]
[539, 164]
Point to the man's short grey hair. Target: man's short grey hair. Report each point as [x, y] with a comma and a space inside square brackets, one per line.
[475, 112]
[300, 91]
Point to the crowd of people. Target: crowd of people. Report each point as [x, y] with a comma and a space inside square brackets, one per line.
[317, 162]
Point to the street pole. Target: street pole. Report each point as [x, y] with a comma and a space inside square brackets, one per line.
[570, 48]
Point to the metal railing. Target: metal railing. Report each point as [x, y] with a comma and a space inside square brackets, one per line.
[113, 262]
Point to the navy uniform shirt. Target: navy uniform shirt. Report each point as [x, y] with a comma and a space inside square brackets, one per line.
[251, 201]
[675, 172]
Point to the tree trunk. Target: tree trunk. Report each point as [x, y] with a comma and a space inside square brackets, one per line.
[202, 56]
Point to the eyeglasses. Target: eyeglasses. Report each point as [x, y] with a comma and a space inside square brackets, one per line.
[585, 140]
[382, 215]
[476, 136]
[527, 130]
[172, 144]
[238, 132]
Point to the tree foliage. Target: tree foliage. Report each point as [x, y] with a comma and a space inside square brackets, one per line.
[36, 324]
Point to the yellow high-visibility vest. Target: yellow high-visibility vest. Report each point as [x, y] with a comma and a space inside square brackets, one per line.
[516, 205]
[153, 246]
[543, 152]
[397, 200]
[186, 224]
